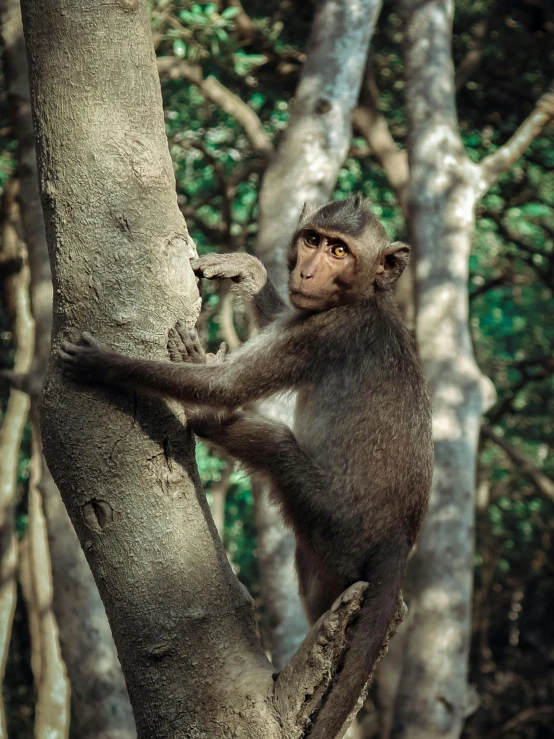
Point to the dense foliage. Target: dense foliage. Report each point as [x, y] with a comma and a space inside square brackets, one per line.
[218, 175]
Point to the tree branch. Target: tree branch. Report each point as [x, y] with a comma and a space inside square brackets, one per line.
[472, 59]
[496, 164]
[373, 126]
[302, 685]
[544, 483]
[221, 96]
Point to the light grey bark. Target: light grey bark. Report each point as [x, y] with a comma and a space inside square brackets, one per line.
[304, 168]
[124, 463]
[98, 693]
[444, 188]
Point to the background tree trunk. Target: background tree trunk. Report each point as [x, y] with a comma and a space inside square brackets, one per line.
[304, 168]
[16, 295]
[444, 188]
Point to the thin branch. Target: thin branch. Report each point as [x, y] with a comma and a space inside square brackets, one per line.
[226, 323]
[373, 126]
[216, 92]
[503, 280]
[544, 483]
[472, 59]
[247, 31]
[538, 713]
[496, 164]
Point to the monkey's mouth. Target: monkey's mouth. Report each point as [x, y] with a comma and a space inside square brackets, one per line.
[305, 300]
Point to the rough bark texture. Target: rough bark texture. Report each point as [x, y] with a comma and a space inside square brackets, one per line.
[442, 197]
[305, 168]
[444, 188]
[98, 692]
[125, 467]
[16, 293]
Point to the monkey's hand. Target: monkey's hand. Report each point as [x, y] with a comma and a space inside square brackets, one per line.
[183, 345]
[245, 271]
[89, 360]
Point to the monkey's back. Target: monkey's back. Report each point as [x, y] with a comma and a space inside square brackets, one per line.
[365, 419]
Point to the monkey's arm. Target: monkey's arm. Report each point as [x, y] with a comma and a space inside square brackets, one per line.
[265, 365]
[250, 281]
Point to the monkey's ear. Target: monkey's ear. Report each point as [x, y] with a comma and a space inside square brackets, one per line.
[396, 258]
[307, 212]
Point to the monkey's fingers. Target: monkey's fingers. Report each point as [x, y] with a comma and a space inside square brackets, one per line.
[216, 267]
[222, 351]
[192, 344]
[175, 347]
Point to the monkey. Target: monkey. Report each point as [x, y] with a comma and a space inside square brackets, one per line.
[353, 475]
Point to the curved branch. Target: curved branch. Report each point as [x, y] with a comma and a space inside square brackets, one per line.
[544, 483]
[496, 164]
[373, 126]
[221, 96]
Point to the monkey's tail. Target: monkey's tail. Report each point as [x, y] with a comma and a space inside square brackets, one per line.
[369, 633]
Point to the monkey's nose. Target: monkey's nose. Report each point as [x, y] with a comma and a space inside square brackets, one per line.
[306, 275]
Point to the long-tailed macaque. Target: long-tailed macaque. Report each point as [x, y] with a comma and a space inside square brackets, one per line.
[353, 477]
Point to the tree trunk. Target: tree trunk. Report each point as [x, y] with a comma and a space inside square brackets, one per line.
[444, 187]
[16, 296]
[304, 169]
[98, 692]
[124, 464]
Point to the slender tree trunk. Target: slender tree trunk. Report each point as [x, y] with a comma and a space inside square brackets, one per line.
[16, 295]
[305, 168]
[444, 188]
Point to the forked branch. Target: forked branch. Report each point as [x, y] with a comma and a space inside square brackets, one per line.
[217, 93]
[496, 164]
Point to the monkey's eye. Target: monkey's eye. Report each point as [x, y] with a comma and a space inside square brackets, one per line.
[339, 251]
[312, 238]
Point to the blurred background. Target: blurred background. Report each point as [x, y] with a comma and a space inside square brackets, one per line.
[228, 75]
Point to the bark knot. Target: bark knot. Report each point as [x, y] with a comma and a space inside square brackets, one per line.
[98, 514]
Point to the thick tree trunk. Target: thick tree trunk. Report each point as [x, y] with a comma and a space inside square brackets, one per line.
[124, 464]
[305, 168]
[98, 692]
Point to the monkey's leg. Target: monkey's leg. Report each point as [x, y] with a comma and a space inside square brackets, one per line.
[298, 484]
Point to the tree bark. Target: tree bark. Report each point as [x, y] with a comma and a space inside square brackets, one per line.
[98, 692]
[305, 168]
[124, 464]
[444, 188]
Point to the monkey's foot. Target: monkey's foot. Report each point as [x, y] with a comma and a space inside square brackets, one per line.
[183, 345]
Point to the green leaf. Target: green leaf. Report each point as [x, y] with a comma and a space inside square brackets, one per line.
[230, 13]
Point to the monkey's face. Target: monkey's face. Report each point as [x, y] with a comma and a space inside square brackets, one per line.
[341, 254]
[324, 270]
[330, 268]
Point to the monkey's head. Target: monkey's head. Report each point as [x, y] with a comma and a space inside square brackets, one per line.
[340, 254]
